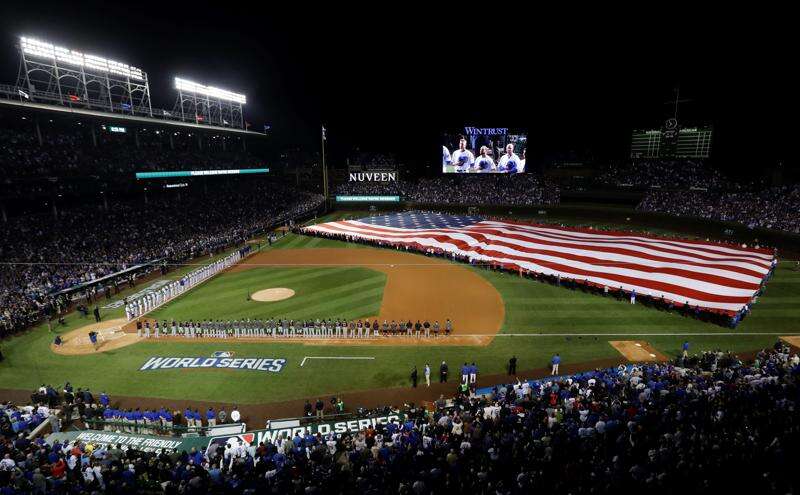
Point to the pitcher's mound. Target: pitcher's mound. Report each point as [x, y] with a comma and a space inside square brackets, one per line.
[270, 295]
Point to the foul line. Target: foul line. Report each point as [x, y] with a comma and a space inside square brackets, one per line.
[335, 357]
[705, 334]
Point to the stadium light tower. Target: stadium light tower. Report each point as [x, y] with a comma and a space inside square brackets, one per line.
[59, 75]
[208, 104]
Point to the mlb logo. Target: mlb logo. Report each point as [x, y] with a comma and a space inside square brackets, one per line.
[247, 440]
[222, 354]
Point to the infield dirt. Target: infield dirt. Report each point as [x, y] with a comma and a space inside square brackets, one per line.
[110, 335]
[417, 287]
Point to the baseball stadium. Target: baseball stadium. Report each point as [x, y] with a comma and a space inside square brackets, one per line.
[211, 297]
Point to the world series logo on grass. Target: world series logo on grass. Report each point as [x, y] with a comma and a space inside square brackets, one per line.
[270, 365]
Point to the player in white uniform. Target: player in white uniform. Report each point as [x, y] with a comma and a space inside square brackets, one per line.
[509, 162]
[446, 158]
[484, 162]
[463, 158]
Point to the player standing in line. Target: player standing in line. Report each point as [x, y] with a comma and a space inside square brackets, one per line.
[436, 329]
[484, 162]
[448, 327]
[473, 374]
[446, 159]
[509, 162]
[428, 374]
[465, 373]
[462, 157]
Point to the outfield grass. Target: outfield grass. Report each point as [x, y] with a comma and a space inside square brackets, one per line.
[531, 308]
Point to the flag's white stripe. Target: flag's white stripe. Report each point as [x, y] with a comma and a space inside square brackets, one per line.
[666, 242]
[581, 236]
[585, 247]
[360, 227]
[732, 306]
[701, 285]
[630, 244]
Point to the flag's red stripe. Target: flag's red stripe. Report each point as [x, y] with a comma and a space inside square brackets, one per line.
[641, 282]
[674, 249]
[621, 251]
[618, 233]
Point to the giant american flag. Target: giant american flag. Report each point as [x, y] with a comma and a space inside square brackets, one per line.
[717, 277]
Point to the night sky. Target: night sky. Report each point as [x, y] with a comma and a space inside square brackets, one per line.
[392, 81]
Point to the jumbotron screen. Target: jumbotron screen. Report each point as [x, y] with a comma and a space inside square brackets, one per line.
[484, 150]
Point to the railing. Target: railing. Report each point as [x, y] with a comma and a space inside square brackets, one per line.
[25, 95]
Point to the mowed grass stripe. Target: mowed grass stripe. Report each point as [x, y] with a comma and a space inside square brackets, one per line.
[355, 305]
[313, 242]
[293, 242]
[328, 297]
[266, 277]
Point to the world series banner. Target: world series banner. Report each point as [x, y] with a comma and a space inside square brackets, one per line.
[255, 437]
[159, 444]
[220, 360]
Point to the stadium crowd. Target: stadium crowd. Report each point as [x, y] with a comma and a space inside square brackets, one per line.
[708, 423]
[665, 174]
[494, 189]
[71, 152]
[774, 208]
[42, 255]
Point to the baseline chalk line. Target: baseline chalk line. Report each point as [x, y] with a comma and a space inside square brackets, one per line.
[372, 358]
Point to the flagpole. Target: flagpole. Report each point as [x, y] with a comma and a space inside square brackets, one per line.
[324, 169]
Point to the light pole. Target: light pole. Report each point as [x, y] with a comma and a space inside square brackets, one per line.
[324, 168]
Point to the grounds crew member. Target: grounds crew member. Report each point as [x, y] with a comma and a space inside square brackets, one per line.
[555, 362]
[512, 365]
